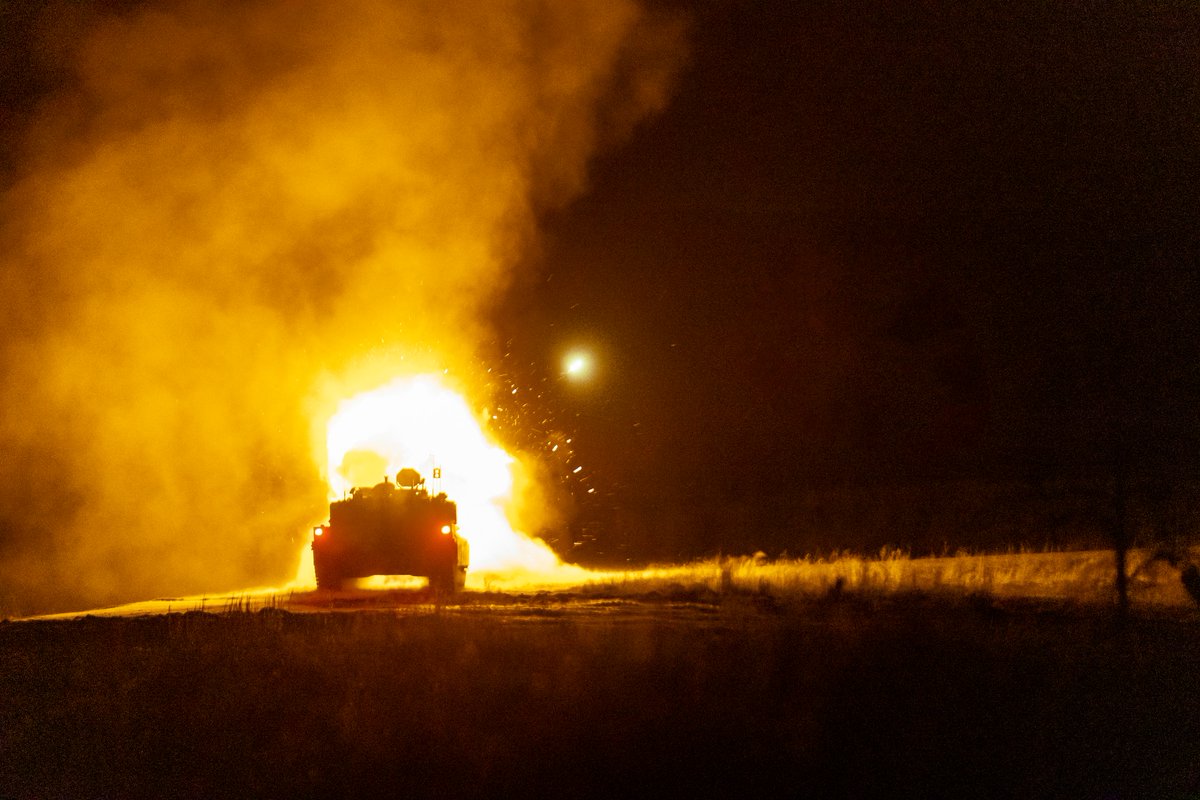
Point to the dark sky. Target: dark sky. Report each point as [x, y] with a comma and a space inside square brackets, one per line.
[880, 242]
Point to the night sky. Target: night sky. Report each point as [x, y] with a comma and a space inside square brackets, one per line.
[884, 245]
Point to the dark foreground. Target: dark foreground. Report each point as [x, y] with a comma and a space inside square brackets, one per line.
[706, 697]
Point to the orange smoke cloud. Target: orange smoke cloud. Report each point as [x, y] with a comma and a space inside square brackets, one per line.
[236, 212]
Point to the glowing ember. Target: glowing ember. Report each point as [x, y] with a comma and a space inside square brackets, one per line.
[419, 422]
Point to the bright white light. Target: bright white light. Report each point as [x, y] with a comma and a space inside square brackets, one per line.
[418, 422]
[577, 366]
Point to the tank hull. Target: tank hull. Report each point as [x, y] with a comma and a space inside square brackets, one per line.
[387, 530]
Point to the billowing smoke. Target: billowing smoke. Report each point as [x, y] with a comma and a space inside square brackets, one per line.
[224, 210]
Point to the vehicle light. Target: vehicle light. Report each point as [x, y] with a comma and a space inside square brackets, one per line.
[445, 529]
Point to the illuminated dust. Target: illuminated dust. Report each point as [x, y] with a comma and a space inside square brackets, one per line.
[225, 219]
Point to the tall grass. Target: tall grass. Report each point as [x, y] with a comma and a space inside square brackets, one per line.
[1085, 577]
[1081, 576]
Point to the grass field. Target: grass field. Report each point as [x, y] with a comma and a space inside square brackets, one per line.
[1078, 576]
[687, 692]
[1085, 577]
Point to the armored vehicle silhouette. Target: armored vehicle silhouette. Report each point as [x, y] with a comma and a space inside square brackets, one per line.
[391, 529]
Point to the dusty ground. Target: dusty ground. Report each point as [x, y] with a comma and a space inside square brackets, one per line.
[671, 692]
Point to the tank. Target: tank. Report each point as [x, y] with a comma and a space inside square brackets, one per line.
[391, 529]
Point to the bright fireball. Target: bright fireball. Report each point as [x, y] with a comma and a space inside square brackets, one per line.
[420, 422]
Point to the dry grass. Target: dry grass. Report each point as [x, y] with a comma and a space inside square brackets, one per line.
[1083, 577]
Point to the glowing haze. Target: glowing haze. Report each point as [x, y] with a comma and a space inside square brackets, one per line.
[227, 218]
